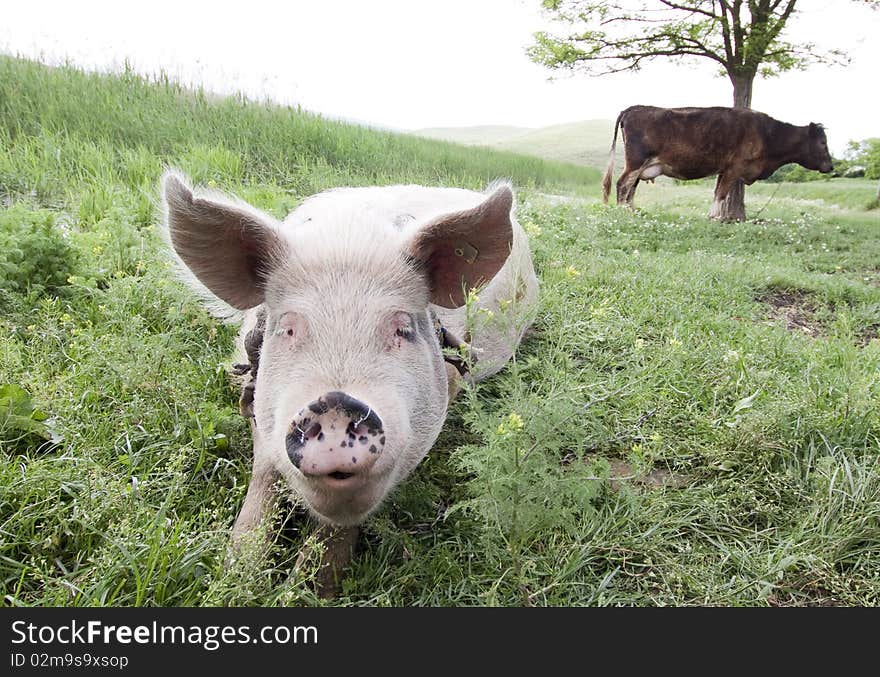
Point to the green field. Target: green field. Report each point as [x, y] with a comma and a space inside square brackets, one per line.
[583, 143]
[694, 419]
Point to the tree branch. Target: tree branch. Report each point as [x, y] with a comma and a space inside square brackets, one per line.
[725, 33]
[620, 35]
[738, 42]
[691, 9]
[781, 21]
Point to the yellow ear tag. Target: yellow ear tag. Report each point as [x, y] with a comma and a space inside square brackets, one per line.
[467, 251]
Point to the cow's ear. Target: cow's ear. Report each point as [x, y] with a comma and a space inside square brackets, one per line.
[230, 247]
[463, 250]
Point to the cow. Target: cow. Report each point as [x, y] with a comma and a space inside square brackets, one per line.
[692, 143]
[360, 315]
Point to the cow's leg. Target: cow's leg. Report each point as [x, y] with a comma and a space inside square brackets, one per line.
[715, 209]
[621, 182]
[626, 188]
[631, 193]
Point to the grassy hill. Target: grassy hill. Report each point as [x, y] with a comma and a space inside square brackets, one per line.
[55, 122]
[693, 419]
[583, 143]
[480, 135]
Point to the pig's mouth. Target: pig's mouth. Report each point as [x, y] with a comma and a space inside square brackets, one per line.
[341, 498]
[345, 484]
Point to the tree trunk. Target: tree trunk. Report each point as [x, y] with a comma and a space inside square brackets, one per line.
[733, 207]
[742, 90]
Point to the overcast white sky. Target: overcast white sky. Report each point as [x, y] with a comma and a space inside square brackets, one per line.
[408, 64]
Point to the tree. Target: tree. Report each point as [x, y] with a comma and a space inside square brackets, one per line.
[744, 38]
[867, 154]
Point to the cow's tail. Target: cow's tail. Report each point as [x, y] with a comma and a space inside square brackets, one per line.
[609, 170]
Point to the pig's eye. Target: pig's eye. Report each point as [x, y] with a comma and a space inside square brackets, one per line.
[402, 329]
[290, 325]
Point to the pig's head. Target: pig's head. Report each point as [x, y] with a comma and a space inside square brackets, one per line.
[351, 390]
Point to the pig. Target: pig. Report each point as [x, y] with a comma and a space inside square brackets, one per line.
[345, 309]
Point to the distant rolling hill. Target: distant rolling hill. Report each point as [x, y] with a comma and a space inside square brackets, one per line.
[485, 135]
[583, 143]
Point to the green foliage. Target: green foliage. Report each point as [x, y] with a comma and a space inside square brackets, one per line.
[865, 154]
[21, 423]
[743, 38]
[795, 173]
[35, 253]
[516, 493]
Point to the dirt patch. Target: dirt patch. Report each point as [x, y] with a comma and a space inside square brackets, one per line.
[802, 592]
[868, 334]
[657, 478]
[795, 307]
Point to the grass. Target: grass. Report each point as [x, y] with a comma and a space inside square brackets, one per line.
[585, 143]
[829, 196]
[116, 132]
[661, 346]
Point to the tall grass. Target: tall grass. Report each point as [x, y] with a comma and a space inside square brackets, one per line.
[62, 127]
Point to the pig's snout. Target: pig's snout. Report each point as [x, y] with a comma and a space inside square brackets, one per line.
[335, 437]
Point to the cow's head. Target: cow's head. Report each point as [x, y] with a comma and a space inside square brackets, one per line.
[818, 156]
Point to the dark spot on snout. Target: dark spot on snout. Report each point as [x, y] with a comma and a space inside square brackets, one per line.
[295, 455]
[316, 423]
[382, 439]
[294, 442]
[358, 412]
[319, 406]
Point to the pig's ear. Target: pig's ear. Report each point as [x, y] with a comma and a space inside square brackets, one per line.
[463, 250]
[229, 247]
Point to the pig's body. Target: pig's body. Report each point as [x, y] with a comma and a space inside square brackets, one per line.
[351, 388]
